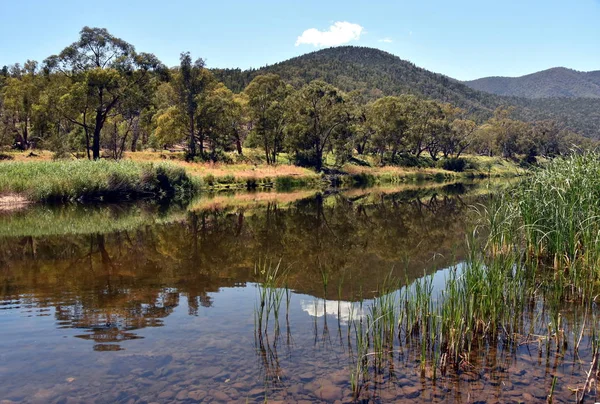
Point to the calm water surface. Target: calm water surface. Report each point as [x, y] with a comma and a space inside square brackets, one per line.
[139, 304]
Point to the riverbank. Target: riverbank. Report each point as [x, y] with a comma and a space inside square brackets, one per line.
[35, 177]
[87, 181]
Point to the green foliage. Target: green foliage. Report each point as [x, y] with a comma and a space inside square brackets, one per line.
[375, 73]
[320, 110]
[318, 121]
[102, 73]
[266, 95]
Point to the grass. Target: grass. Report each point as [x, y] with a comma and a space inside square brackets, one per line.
[83, 180]
[250, 171]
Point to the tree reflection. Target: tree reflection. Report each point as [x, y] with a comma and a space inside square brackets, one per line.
[112, 285]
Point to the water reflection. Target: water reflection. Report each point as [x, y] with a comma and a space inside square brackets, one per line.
[110, 285]
[343, 312]
[169, 296]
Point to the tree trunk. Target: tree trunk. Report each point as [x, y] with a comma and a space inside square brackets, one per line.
[87, 142]
[136, 136]
[96, 139]
[191, 140]
[319, 158]
[26, 135]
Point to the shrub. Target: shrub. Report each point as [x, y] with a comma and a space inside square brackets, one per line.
[453, 164]
[209, 180]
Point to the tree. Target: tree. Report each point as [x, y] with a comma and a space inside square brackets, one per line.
[102, 68]
[266, 95]
[170, 127]
[317, 116]
[509, 133]
[220, 116]
[362, 127]
[460, 138]
[421, 115]
[484, 140]
[547, 137]
[20, 93]
[190, 83]
[389, 118]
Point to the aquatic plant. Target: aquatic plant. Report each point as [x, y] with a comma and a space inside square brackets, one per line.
[532, 252]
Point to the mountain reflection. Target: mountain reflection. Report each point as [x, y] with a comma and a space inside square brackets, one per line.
[111, 285]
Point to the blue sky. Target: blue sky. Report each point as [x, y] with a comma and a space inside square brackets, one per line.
[464, 39]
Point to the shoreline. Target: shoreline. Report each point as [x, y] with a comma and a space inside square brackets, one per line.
[146, 176]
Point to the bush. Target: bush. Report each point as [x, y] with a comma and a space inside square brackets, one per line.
[408, 160]
[453, 164]
[209, 180]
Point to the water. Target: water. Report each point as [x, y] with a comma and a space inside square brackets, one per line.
[138, 303]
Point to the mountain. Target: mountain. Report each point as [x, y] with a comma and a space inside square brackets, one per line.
[377, 73]
[551, 83]
[372, 71]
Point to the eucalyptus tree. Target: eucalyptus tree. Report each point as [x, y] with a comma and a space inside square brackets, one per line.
[389, 117]
[318, 120]
[362, 127]
[220, 120]
[191, 82]
[266, 95]
[103, 70]
[460, 137]
[20, 93]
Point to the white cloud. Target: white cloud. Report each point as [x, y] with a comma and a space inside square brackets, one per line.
[339, 33]
[386, 40]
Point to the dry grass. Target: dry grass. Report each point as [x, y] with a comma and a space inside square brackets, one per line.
[241, 171]
[244, 171]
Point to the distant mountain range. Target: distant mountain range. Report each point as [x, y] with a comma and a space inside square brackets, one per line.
[551, 83]
[376, 73]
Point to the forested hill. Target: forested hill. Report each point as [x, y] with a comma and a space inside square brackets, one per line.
[372, 71]
[556, 82]
[376, 73]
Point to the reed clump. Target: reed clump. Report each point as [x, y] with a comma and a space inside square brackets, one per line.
[533, 254]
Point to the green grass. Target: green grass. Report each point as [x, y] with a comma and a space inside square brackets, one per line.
[84, 180]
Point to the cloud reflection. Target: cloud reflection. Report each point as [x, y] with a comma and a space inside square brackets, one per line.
[343, 311]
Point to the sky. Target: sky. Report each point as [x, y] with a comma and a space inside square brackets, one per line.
[464, 39]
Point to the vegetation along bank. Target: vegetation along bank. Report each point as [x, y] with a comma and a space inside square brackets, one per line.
[100, 99]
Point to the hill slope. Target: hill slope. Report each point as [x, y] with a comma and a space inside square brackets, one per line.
[371, 71]
[377, 73]
[556, 82]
